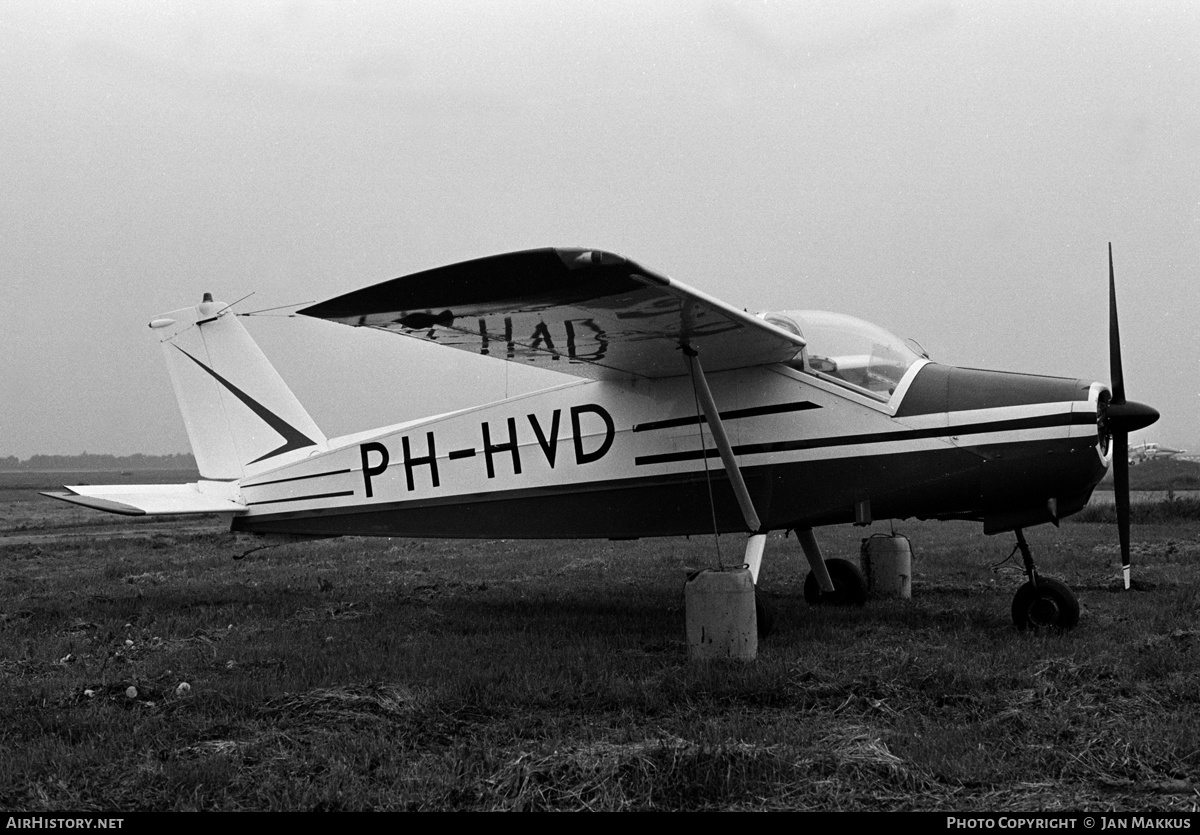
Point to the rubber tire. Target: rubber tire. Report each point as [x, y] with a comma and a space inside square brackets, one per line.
[1049, 605]
[849, 585]
[764, 614]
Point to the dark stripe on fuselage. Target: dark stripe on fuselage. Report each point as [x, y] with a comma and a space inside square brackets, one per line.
[733, 414]
[302, 498]
[1039, 422]
[296, 478]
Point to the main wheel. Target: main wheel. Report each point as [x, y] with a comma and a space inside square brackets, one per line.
[764, 614]
[1048, 605]
[849, 585]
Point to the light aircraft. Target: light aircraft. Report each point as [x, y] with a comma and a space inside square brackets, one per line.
[1152, 451]
[686, 415]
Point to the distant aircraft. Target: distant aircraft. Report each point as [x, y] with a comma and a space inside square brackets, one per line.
[686, 416]
[1151, 451]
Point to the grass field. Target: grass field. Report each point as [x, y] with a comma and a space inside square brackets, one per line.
[421, 674]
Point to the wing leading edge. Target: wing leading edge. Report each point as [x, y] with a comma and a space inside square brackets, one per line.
[584, 312]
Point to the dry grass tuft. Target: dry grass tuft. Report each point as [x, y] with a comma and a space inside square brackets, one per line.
[350, 704]
[858, 746]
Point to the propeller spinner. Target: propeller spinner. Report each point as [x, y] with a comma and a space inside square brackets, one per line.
[1118, 418]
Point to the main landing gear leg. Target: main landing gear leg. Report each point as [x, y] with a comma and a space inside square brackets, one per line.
[764, 612]
[758, 539]
[836, 582]
[1042, 603]
[754, 554]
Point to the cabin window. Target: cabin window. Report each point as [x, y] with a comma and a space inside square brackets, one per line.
[847, 351]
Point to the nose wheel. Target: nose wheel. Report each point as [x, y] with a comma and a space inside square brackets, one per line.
[1048, 605]
[1042, 603]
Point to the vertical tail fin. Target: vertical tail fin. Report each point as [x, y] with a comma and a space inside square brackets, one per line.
[241, 417]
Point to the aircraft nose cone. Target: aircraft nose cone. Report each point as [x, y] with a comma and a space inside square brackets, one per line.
[1130, 416]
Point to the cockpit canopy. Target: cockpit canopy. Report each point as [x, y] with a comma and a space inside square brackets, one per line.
[847, 351]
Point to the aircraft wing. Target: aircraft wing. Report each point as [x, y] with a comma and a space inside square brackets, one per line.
[148, 499]
[583, 312]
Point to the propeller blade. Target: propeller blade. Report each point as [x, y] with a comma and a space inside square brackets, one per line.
[1121, 494]
[1121, 417]
[1114, 337]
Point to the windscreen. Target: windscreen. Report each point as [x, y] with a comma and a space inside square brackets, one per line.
[847, 350]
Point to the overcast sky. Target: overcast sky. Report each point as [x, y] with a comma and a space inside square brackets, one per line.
[952, 171]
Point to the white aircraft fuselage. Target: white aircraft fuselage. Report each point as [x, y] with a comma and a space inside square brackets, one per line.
[626, 459]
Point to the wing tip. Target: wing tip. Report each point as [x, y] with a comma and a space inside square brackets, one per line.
[94, 503]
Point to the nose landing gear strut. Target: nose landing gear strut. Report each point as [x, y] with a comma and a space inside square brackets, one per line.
[1042, 602]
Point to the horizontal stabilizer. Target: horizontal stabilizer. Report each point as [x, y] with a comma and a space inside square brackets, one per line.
[147, 499]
